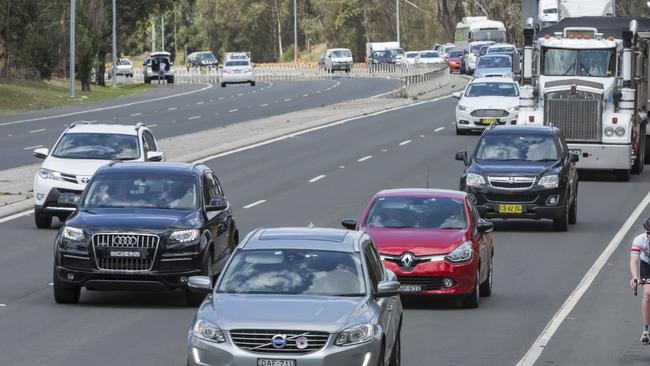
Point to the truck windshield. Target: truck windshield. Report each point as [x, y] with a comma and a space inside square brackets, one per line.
[489, 35]
[583, 62]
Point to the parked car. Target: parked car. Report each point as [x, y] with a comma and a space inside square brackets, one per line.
[152, 65]
[299, 296]
[338, 59]
[520, 172]
[431, 57]
[433, 240]
[123, 67]
[486, 101]
[144, 227]
[454, 60]
[494, 65]
[80, 150]
[237, 72]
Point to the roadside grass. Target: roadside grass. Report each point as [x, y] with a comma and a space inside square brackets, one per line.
[24, 95]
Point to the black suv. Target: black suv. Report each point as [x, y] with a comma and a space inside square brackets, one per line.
[522, 172]
[144, 226]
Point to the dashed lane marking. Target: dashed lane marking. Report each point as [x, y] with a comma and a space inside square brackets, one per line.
[264, 105]
[135, 114]
[199, 103]
[364, 158]
[172, 108]
[287, 100]
[32, 147]
[39, 130]
[315, 179]
[254, 204]
[438, 129]
[404, 142]
[233, 110]
[194, 117]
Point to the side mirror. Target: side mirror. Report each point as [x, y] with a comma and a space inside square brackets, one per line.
[200, 284]
[462, 156]
[349, 224]
[41, 152]
[217, 204]
[457, 95]
[485, 227]
[155, 156]
[387, 289]
[574, 158]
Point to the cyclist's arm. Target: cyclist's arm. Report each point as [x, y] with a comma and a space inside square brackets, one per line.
[635, 254]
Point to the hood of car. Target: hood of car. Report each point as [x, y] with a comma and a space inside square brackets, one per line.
[510, 168]
[86, 167]
[417, 241]
[490, 102]
[134, 219]
[292, 312]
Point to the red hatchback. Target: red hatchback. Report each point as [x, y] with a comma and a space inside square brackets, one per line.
[434, 240]
[453, 61]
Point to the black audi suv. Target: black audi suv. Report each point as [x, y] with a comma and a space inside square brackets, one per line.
[522, 172]
[144, 227]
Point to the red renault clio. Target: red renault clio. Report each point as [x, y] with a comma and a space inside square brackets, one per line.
[434, 240]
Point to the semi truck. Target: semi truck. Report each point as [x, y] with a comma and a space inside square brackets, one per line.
[588, 76]
[584, 8]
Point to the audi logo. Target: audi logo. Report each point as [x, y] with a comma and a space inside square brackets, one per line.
[124, 240]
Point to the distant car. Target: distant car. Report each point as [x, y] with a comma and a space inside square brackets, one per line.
[494, 65]
[382, 57]
[201, 59]
[433, 240]
[79, 151]
[299, 296]
[454, 60]
[523, 173]
[431, 57]
[338, 59]
[400, 56]
[144, 227]
[152, 65]
[446, 49]
[237, 72]
[501, 48]
[412, 57]
[486, 101]
[470, 57]
[124, 67]
[237, 56]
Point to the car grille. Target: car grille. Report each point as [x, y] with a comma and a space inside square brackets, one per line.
[71, 178]
[511, 182]
[256, 340]
[145, 244]
[490, 113]
[427, 283]
[511, 198]
[579, 117]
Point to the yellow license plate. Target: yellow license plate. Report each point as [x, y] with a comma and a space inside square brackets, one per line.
[488, 121]
[511, 209]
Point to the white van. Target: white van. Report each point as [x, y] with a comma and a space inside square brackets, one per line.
[338, 59]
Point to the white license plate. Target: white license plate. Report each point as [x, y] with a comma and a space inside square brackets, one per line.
[269, 362]
[125, 254]
[576, 151]
[410, 288]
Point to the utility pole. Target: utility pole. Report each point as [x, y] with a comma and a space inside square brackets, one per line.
[153, 35]
[162, 32]
[114, 65]
[73, 25]
[295, 31]
[397, 17]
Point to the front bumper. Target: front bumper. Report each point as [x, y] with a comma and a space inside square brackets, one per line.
[341, 65]
[465, 120]
[203, 353]
[47, 192]
[603, 156]
[430, 275]
[117, 281]
[534, 202]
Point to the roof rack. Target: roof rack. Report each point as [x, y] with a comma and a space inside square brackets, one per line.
[77, 123]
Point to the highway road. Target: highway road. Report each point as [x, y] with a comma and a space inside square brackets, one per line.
[200, 107]
[322, 177]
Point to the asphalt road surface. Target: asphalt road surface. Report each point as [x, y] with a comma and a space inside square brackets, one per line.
[322, 177]
[207, 107]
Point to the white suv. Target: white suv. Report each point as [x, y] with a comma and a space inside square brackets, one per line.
[80, 150]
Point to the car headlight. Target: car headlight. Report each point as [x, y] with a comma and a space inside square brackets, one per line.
[461, 254]
[474, 180]
[619, 131]
[50, 174]
[609, 131]
[208, 331]
[549, 181]
[355, 335]
[464, 108]
[183, 236]
[73, 233]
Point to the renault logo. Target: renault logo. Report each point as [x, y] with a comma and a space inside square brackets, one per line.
[407, 260]
[279, 341]
[125, 241]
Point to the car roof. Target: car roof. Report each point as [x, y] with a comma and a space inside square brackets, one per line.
[339, 240]
[154, 54]
[104, 128]
[148, 167]
[521, 130]
[496, 79]
[339, 49]
[420, 192]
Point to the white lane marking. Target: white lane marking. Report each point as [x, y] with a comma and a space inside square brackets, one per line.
[51, 284]
[152, 125]
[233, 110]
[535, 351]
[421, 135]
[342, 166]
[287, 100]
[16, 215]
[92, 121]
[315, 179]
[240, 94]
[384, 150]
[364, 158]
[264, 105]
[438, 129]
[106, 108]
[172, 108]
[39, 130]
[32, 147]
[2, 305]
[254, 204]
[194, 117]
[135, 114]
[317, 92]
[222, 98]
[404, 142]
[305, 95]
[199, 103]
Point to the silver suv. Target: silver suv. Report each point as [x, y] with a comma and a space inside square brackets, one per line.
[299, 296]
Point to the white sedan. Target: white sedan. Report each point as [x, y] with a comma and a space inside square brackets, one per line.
[237, 72]
[431, 57]
[412, 57]
[486, 101]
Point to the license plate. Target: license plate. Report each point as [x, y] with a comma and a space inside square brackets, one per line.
[575, 151]
[269, 362]
[511, 209]
[125, 254]
[488, 121]
[68, 198]
[410, 288]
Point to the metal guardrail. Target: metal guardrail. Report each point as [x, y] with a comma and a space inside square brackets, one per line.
[414, 85]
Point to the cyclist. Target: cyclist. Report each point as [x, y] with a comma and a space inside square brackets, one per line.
[640, 270]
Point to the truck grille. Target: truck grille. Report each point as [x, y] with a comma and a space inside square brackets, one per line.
[125, 252]
[256, 340]
[490, 113]
[579, 117]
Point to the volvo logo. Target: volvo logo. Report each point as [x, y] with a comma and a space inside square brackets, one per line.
[407, 259]
[279, 341]
[125, 240]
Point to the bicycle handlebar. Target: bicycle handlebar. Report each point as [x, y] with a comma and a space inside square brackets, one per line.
[637, 283]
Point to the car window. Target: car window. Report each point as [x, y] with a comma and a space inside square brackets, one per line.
[498, 89]
[218, 190]
[207, 189]
[294, 272]
[416, 213]
[341, 53]
[149, 141]
[494, 62]
[374, 268]
[517, 147]
[237, 63]
[429, 54]
[474, 217]
[104, 146]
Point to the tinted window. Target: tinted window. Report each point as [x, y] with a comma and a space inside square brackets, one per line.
[416, 212]
[237, 63]
[429, 54]
[208, 189]
[144, 190]
[294, 272]
[492, 62]
[341, 53]
[411, 55]
[492, 89]
[517, 147]
[104, 146]
[565, 62]
[456, 54]
[501, 50]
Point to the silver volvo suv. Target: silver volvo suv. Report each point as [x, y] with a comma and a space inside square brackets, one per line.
[299, 297]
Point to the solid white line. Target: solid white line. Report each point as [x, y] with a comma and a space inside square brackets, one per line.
[172, 108]
[254, 204]
[438, 129]
[195, 117]
[135, 114]
[404, 142]
[536, 349]
[233, 110]
[39, 130]
[93, 121]
[314, 179]
[106, 108]
[32, 147]
[364, 158]
[16, 215]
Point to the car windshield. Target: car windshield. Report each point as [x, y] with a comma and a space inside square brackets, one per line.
[341, 53]
[489, 35]
[477, 47]
[500, 50]
[584, 62]
[517, 147]
[123, 62]
[146, 190]
[454, 54]
[237, 63]
[416, 212]
[429, 54]
[382, 54]
[398, 51]
[294, 272]
[449, 49]
[102, 146]
[493, 89]
[207, 56]
[411, 54]
[488, 62]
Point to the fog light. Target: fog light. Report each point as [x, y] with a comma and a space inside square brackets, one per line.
[40, 196]
[552, 201]
[70, 277]
[447, 282]
[463, 122]
[183, 279]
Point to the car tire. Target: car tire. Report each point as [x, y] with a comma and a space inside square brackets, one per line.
[147, 80]
[622, 175]
[573, 211]
[42, 221]
[562, 224]
[65, 295]
[460, 132]
[223, 85]
[382, 352]
[170, 80]
[252, 83]
[485, 290]
[396, 355]
[195, 299]
[472, 300]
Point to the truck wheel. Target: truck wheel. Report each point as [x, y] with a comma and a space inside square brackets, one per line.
[65, 295]
[223, 85]
[252, 83]
[622, 175]
[42, 221]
